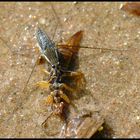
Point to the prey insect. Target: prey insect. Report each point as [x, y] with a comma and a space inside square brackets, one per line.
[59, 58]
[132, 8]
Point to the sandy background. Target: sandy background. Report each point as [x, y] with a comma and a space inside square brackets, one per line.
[112, 77]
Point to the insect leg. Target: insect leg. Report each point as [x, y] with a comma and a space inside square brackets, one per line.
[44, 123]
[49, 100]
[64, 96]
[43, 84]
[45, 71]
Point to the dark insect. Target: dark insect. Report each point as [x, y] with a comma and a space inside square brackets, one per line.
[59, 57]
[133, 8]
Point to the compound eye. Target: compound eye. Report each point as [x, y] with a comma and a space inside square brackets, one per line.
[53, 66]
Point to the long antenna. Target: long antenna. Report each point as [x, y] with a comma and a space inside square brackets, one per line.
[59, 21]
[107, 49]
[38, 57]
[56, 16]
[93, 48]
[19, 104]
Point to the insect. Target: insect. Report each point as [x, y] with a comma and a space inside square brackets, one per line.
[58, 108]
[59, 58]
[133, 8]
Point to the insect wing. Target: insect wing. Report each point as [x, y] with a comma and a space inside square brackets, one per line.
[72, 45]
[74, 41]
[47, 47]
[68, 50]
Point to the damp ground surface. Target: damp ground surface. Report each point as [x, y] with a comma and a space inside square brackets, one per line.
[112, 76]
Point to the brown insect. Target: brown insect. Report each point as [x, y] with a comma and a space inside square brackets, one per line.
[60, 58]
[133, 8]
